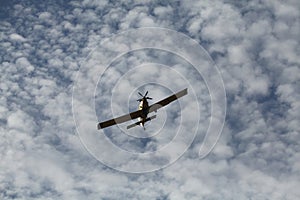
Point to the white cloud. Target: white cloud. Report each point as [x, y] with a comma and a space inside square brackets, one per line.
[237, 55]
[21, 121]
[24, 63]
[44, 16]
[17, 37]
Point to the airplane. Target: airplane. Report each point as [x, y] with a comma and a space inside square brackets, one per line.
[143, 110]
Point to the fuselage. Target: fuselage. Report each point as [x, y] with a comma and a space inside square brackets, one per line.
[143, 106]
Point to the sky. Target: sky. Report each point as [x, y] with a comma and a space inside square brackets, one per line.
[65, 65]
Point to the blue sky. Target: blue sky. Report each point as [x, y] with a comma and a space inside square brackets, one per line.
[47, 48]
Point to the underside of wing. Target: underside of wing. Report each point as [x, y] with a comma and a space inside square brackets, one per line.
[121, 119]
[167, 100]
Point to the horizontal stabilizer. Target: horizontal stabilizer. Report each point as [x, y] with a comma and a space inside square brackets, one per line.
[138, 123]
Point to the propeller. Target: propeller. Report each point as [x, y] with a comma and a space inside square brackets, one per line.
[144, 96]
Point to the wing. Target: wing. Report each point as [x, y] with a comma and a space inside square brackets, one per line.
[121, 119]
[167, 100]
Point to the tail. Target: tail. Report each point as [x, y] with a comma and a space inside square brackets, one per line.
[138, 123]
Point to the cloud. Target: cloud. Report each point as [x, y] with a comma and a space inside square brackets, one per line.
[23, 63]
[255, 45]
[17, 37]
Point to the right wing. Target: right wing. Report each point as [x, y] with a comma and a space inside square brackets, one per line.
[121, 119]
[167, 100]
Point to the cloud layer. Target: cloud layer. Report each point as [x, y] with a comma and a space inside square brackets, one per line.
[256, 47]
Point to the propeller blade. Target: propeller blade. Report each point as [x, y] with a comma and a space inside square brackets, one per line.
[146, 94]
[140, 94]
[149, 98]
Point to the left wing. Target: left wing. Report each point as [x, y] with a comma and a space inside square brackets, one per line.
[120, 119]
[167, 100]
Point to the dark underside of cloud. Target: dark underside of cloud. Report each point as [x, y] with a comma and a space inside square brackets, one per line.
[255, 45]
